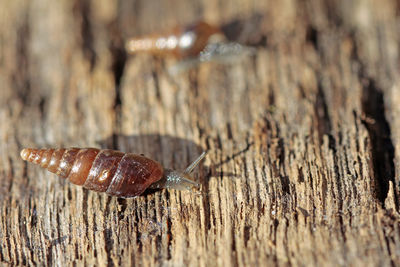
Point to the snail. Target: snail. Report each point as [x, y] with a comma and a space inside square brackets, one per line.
[192, 45]
[181, 42]
[114, 172]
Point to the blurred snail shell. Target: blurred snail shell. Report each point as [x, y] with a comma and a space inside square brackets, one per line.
[114, 172]
[180, 42]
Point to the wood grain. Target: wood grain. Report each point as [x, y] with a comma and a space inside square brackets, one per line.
[303, 138]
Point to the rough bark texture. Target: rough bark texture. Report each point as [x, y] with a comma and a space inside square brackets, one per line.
[303, 137]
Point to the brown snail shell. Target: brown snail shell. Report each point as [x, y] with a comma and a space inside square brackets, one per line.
[114, 172]
[180, 42]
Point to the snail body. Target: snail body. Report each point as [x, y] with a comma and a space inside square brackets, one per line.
[111, 171]
[180, 42]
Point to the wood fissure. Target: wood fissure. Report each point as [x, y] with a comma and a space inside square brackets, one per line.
[82, 12]
[382, 148]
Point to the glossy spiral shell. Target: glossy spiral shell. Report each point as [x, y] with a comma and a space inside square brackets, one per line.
[114, 172]
[180, 42]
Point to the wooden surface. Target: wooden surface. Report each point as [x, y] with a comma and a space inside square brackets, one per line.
[303, 138]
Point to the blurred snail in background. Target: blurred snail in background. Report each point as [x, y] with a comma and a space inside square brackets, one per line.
[180, 42]
[196, 43]
[114, 172]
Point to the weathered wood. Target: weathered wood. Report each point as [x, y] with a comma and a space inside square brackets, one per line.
[303, 137]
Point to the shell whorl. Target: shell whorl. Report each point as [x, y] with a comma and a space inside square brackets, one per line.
[114, 172]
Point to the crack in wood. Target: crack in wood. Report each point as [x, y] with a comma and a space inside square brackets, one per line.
[324, 126]
[312, 36]
[109, 240]
[119, 58]
[82, 11]
[378, 127]
[382, 148]
[21, 77]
